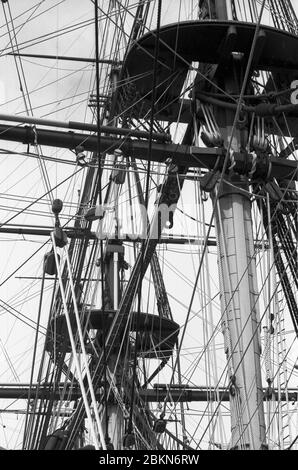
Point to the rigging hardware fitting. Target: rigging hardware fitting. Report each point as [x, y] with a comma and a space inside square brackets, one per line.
[59, 234]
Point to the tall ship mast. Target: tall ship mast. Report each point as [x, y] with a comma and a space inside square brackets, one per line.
[159, 309]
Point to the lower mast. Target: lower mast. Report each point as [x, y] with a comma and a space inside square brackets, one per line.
[238, 281]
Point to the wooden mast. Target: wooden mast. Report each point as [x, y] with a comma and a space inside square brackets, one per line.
[238, 286]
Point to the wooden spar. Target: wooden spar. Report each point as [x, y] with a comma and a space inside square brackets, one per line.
[136, 148]
[184, 155]
[75, 233]
[83, 126]
[152, 395]
[72, 232]
[63, 57]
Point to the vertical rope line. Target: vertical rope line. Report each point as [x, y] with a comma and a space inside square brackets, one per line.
[73, 347]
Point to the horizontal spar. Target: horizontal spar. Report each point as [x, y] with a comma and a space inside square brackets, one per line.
[70, 58]
[150, 395]
[183, 155]
[84, 126]
[72, 232]
[84, 233]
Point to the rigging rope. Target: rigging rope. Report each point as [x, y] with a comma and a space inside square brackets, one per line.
[75, 355]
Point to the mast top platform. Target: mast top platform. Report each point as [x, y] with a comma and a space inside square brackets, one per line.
[158, 335]
[207, 41]
[202, 41]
